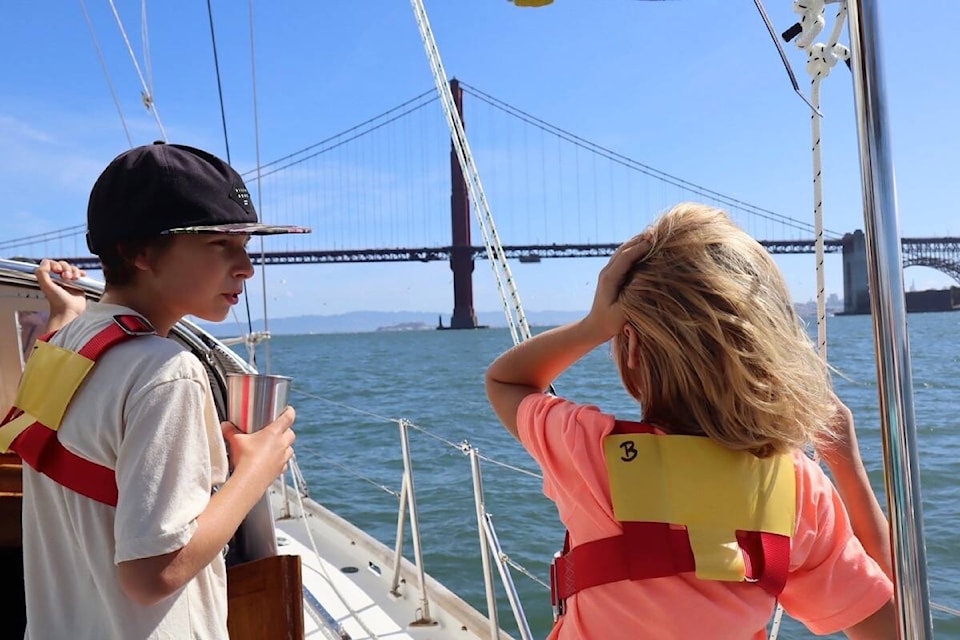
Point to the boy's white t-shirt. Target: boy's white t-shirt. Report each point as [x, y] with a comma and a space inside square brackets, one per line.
[145, 410]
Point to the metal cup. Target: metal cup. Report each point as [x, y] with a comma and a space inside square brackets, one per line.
[253, 402]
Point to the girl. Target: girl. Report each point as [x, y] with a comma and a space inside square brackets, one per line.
[693, 523]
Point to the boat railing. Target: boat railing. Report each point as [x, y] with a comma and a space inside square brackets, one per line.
[495, 561]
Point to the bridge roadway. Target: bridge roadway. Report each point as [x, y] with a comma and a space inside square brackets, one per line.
[523, 253]
[913, 249]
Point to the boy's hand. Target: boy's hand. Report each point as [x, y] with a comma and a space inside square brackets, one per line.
[65, 304]
[606, 314]
[265, 452]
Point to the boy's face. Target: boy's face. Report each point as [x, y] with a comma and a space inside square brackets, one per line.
[198, 274]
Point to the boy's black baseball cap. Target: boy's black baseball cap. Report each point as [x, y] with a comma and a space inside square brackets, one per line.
[164, 188]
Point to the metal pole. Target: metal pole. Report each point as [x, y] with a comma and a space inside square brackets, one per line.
[888, 304]
[494, 543]
[398, 549]
[414, 520]
[492, 615]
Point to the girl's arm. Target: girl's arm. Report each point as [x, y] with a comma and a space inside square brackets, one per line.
[532, 365]
[846, 466]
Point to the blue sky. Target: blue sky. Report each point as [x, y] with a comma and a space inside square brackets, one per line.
[693, 88]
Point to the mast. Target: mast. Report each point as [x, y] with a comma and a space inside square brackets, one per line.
[888, 305]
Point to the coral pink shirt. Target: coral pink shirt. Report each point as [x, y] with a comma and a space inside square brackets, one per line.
[832, 585]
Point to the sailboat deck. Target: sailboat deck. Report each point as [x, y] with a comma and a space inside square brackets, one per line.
[347, 583]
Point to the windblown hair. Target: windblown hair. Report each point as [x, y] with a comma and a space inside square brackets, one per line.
[721, 351]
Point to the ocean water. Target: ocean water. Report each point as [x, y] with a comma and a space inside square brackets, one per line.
[350, 389]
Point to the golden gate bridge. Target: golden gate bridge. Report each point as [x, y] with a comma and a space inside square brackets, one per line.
[390, 189]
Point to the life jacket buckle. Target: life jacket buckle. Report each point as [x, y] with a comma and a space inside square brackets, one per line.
[134, 325]
[556, 602]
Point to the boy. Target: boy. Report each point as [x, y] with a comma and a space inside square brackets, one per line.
[123, 535]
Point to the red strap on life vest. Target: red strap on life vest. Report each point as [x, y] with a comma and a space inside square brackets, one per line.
[655, 550]
[39, 446]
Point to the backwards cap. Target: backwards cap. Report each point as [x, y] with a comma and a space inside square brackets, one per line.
[164, 188]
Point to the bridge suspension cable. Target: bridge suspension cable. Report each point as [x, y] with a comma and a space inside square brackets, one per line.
[46, 236]
[635, 165]
[339, 139]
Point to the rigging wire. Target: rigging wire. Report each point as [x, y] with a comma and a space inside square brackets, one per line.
[256, 135]
[106, 72]
[252, 354]
[145, 43]
[216, 66]
[147, 97]
[783, 57]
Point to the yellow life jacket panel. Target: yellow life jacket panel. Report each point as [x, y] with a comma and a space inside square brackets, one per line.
[686, 504]
[51, 378]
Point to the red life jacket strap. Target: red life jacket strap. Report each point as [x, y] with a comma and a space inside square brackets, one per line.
[627, 426]
[644, 550]
[39, 446]
[766, 557]
[655, 550]
[124, 327]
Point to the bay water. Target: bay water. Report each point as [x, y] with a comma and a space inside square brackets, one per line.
[350, 390]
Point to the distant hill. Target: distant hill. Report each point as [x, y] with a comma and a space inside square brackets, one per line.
[364, 321]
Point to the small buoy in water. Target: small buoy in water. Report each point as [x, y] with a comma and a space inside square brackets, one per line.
[532, 3]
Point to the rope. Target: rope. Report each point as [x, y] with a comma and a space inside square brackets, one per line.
[821, 58]
[147, 97]
[519, 328]
[106, 72]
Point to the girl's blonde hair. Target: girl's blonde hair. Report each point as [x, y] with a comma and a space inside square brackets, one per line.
[720, 350]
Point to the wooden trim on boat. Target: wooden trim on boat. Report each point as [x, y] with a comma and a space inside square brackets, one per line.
[11, 500]
[265, 599]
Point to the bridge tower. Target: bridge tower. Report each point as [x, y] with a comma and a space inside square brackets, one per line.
[461, 252]
[856, 284]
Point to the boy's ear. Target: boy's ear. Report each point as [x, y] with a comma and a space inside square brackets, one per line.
[145, 257]
[142, 259]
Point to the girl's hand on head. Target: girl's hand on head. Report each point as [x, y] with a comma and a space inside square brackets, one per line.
[606, 314]
[62, 301]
